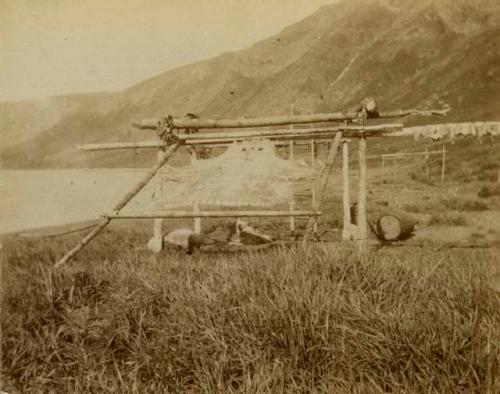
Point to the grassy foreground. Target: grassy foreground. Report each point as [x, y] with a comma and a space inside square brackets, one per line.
[313, 321]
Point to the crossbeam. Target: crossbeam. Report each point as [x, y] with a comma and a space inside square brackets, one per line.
[403, 155]
[121, 145]
[188, 123]
[158, 144]
[400, 155]
[210, 214]
[274, 135]
[321, 132]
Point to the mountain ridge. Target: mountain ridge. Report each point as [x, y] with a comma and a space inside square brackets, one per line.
[406, 54]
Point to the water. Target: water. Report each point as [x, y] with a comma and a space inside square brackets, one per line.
[33, 199]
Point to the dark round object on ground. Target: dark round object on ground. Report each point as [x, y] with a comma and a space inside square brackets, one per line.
[391, 227]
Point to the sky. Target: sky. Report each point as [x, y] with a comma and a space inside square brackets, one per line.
[53, 47]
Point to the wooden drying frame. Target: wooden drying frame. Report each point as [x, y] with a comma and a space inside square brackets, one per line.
[169, 142]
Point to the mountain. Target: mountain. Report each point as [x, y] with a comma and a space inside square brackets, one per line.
[430, 53]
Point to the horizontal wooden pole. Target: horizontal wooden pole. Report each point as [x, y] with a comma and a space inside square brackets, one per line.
[158, 144]
[302, 142]
[394, 155]
[221, 138]
[210, 214]
[187, 123]
[121, 145]
[347, 131]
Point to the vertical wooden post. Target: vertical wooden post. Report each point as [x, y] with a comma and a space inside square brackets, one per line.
[427, 174]
[197, 220]
[156, 243]
[362, 232]
[290, 156]
[443, 164]
[291, 207]
[313, 195]
[313, 153]
[346, 204]
[393, 172]
[382, 168]
[192, 157]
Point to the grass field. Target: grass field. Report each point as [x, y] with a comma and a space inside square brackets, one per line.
[403, 319]
[318, 320]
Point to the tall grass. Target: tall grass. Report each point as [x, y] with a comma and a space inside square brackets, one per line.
[313, 321]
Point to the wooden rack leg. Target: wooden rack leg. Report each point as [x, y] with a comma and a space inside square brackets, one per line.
[427, 173]
[291, 128]
[124, 201]
[393, 173]
[382, 169]
[313, 197]
[291, 208]
[313, 153]
[443, 164]
[346, 204]
[156, 243]
[362, 232]
[197, 220]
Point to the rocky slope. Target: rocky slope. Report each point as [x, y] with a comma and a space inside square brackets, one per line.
[404, 53]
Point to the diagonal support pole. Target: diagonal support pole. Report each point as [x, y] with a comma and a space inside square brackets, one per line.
[323, 182]
[124, 201]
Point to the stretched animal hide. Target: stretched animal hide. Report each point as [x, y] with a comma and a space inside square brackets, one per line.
[247, 174]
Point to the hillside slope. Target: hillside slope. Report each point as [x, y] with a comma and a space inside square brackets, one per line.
[404, 53]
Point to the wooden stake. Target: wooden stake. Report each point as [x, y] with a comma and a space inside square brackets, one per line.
[158, 223]
[443, 164]
[291, 128]
[124, 201]
[427, 174]
[313, 153]
[192, 158]
[197, 219]
[313, 202]
[291, 207]
[393, 171]
[382, 169]
[323, 182]
[362, 232]
[346, 204]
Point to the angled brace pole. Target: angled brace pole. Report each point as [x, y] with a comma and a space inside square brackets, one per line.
[124, 201]
[323, 182]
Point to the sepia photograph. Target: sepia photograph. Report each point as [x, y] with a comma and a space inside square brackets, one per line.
[250, 196]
